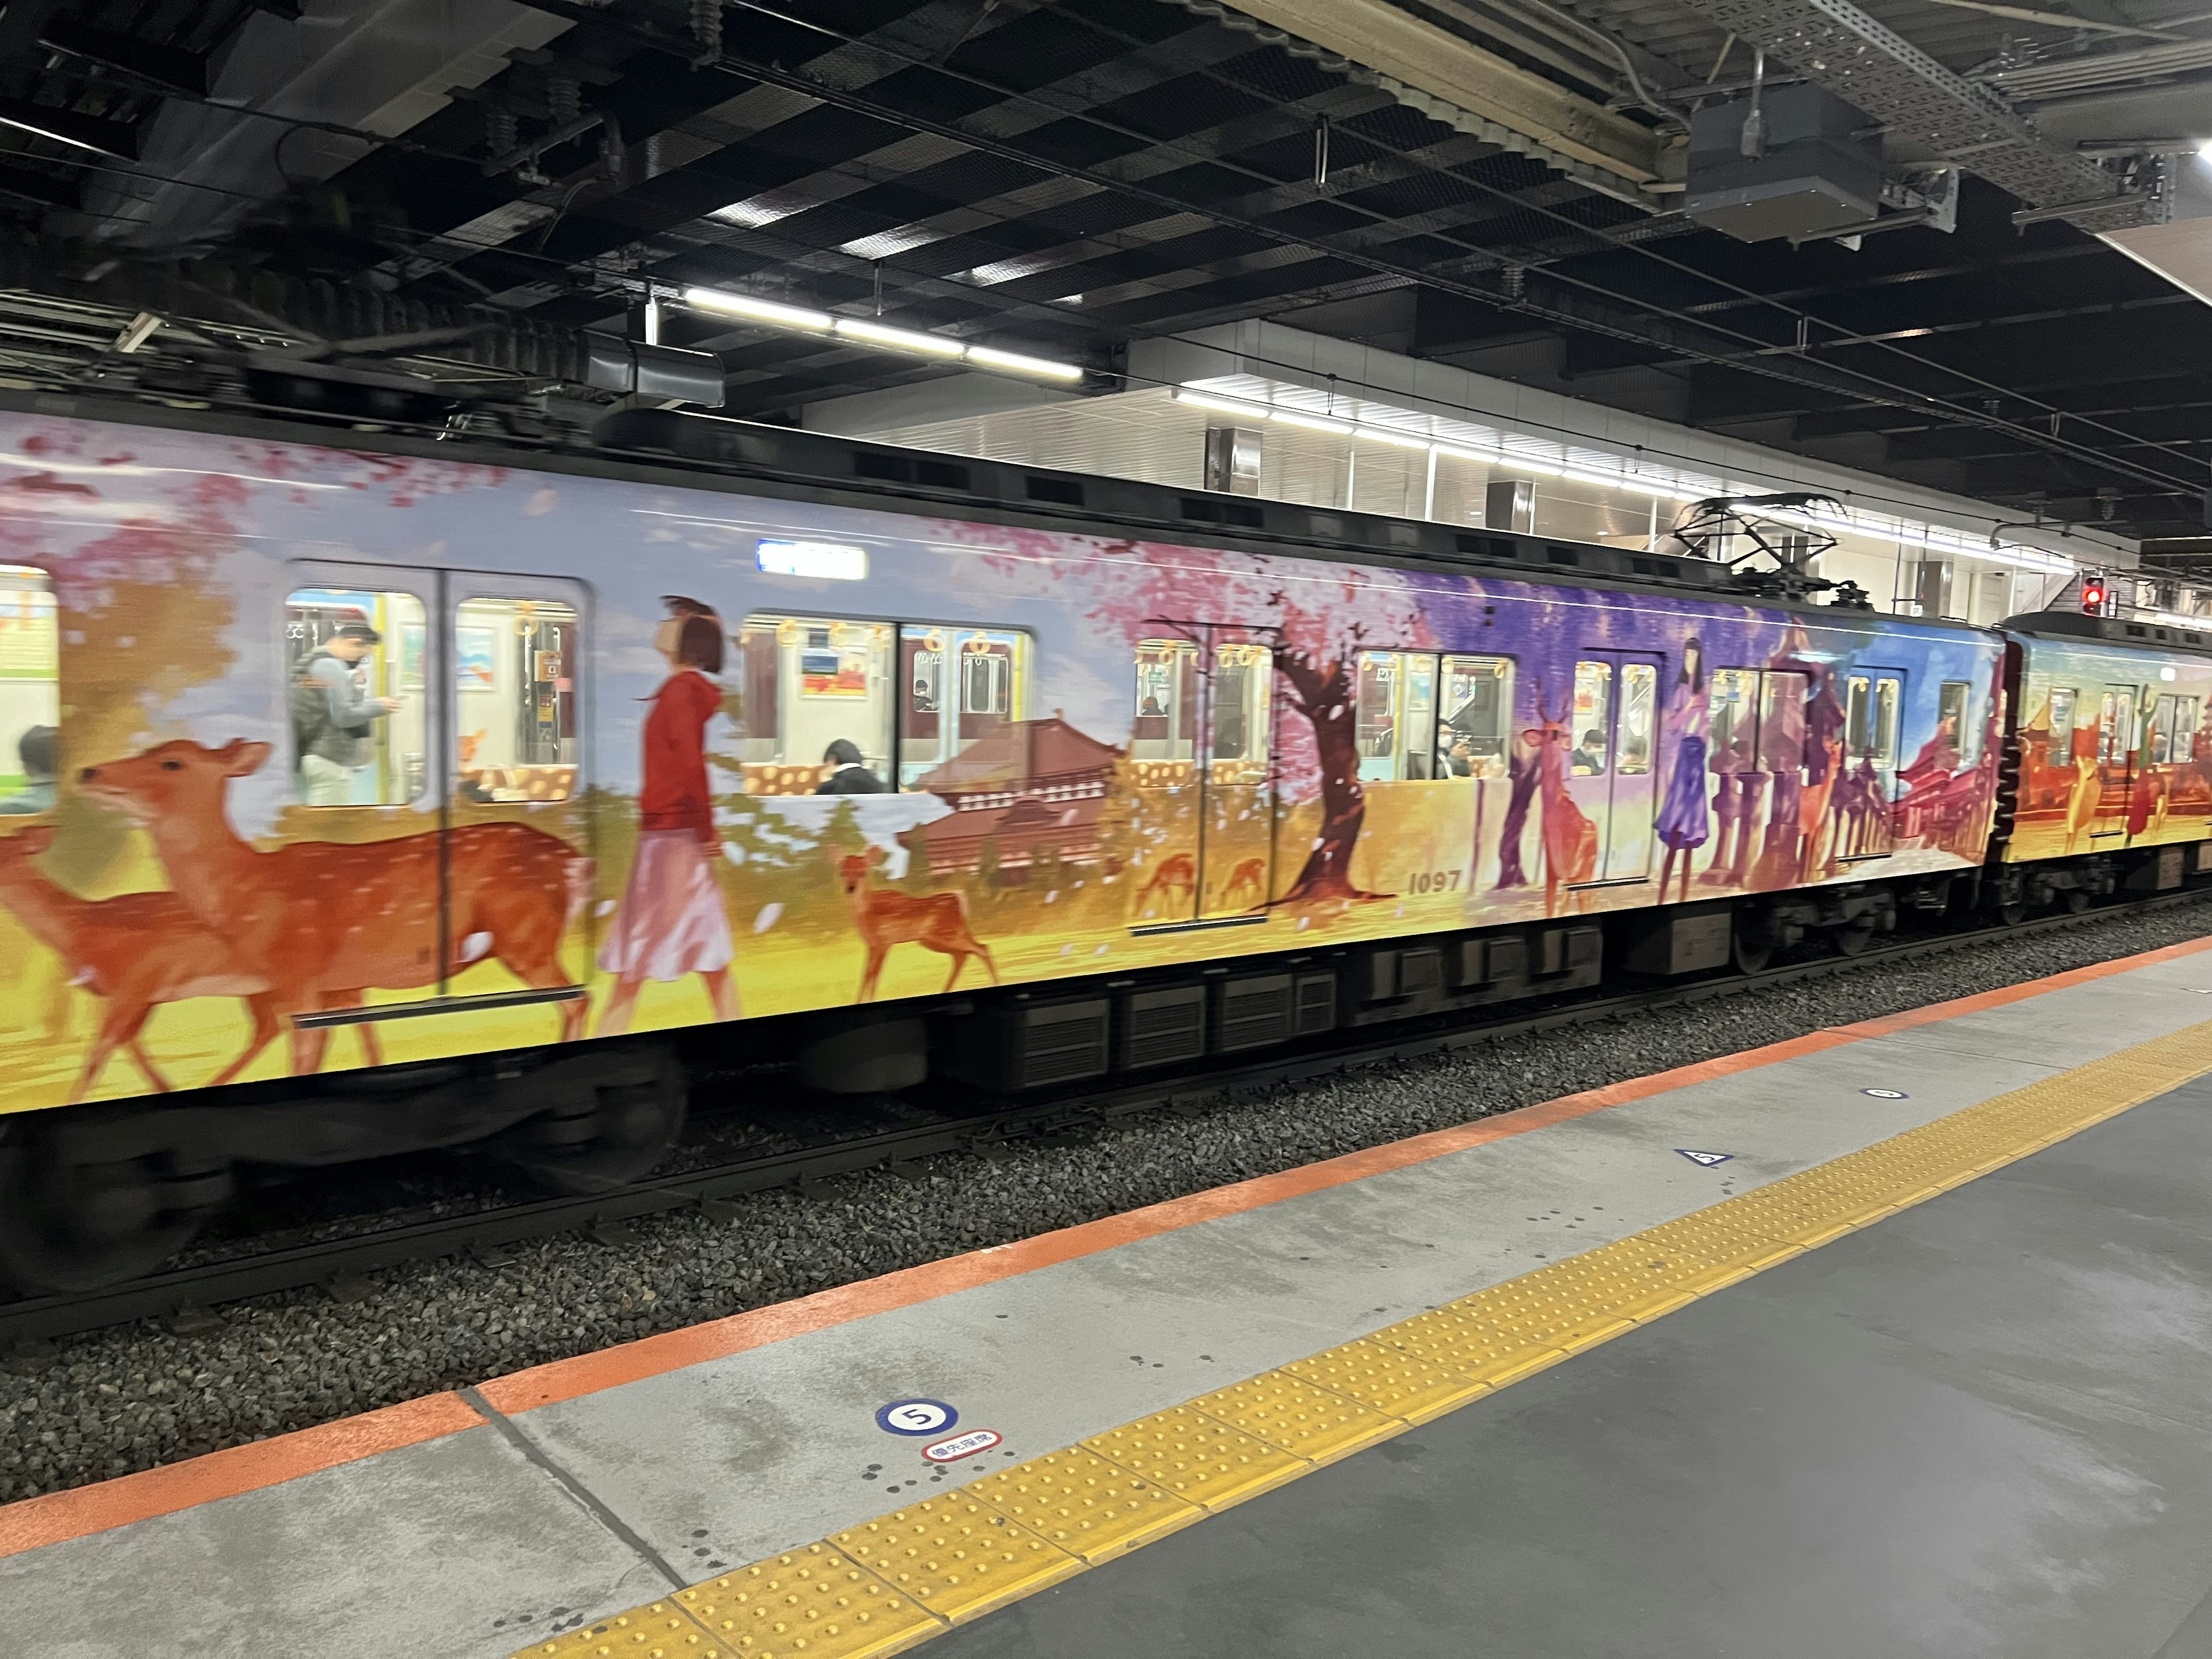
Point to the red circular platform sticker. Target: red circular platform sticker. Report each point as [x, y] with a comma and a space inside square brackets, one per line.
[962, 1445]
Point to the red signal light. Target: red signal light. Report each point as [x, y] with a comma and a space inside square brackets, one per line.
[2093, 596]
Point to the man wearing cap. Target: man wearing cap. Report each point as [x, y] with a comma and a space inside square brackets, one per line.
[330, 716]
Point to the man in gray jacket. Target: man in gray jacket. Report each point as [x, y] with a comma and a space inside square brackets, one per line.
[330, 717]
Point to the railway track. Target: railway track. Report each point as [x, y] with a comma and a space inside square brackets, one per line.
[188, 1297]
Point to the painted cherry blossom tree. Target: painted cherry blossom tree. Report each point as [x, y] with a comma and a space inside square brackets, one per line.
[1317, 617]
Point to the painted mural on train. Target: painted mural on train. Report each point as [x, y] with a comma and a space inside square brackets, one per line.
[2111, 752]
[688, 754]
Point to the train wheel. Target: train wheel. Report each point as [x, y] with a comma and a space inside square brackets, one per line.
[2076, 901]
[68, 1225]
[1752, 940]
[604, 1137]
[1852, 936]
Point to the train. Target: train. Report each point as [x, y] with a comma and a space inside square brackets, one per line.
[367, 792]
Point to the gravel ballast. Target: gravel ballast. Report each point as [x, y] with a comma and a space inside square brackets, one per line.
[115, 1401]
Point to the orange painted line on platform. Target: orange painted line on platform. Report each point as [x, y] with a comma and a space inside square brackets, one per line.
[34, 1523]
[716, 1339]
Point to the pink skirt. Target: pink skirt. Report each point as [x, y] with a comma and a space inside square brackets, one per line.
[670, 923]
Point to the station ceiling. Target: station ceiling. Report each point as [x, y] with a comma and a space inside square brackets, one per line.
[1064, 177]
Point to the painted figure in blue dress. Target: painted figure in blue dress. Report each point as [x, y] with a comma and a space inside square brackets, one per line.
[1684, 822]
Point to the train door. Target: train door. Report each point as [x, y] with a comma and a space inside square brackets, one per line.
[2125, 736]
[510, 679]
[1613, 740]
[1164, 743]
[1859, 806]
[1237, 809]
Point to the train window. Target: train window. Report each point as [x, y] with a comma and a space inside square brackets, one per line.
[1376, 728]
[2185, 710]
[30, 691]
[1886, 700]
[1592, 719]
[1167, 702]
[1639, 702]
[1477, 705]
[956, 685]
[1243, 688]
[1951, 722]
[1781, 722]
[1735, 741]
[2063, 698]
[357, 672]
[2158, 738]
[803, 684]
[514, 699]
[1418, 729]
[2115, 734]
[1858, 719]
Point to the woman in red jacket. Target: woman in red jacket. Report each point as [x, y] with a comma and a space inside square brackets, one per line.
[672, 923]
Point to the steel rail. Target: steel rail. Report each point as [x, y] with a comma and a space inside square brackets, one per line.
[186, 1295]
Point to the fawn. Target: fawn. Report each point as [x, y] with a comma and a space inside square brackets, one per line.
[938, 922]
[135, 952]
[323, 923]
[1178, 874]
[1249, 876]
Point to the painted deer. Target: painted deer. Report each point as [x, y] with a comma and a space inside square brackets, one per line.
[1249, 876]
[324, 923]
[2083, 797]
[937, 922]
[1178, 874]
[135, 952]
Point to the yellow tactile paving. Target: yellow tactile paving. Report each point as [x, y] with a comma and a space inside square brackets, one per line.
[1133, 1485]
[814, 1603]
[1199, 1458]
[1087, 1505]
[956, 1556]
[659, 1632]
[1314, 1423]
[1388, 1380]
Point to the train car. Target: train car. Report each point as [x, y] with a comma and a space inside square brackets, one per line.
[407, 794]
[2107, 759]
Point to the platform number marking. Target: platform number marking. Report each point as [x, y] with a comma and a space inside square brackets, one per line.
[916, 1417]
[1705, 1160]
[1886, 1094]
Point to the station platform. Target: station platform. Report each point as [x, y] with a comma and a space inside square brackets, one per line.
[1888, 1340]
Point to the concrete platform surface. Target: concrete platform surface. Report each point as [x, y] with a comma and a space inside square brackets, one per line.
[1932, 1414]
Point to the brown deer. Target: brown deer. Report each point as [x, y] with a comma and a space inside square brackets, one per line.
[135, 952]
[937, 922]
[323, 923]
[1249, 876]
[1178, 874]
[2083, 797]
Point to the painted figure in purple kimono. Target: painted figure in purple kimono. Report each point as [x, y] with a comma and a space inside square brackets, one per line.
[1684, 822]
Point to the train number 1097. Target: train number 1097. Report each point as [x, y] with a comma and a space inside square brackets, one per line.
[1433, 881]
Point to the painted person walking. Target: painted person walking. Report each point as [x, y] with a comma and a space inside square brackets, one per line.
[672, 923]
[1684, 821]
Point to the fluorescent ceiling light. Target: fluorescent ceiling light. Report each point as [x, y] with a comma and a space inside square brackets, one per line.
[64, 126]
[825, 561]
[1310, 422]
[1015, 364]
[900, 339]
[1383, 435]
[757, 311]
[1222, 405]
